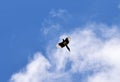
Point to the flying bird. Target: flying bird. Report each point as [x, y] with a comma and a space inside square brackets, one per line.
[64, 43]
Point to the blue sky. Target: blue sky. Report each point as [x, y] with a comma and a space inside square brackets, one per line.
[22, 26]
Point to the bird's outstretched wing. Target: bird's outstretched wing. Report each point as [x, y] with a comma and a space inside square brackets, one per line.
[60, 45]
[67, 40]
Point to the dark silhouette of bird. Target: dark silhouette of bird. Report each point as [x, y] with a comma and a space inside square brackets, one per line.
[64, 43]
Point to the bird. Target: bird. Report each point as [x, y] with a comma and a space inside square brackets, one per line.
[64, 43]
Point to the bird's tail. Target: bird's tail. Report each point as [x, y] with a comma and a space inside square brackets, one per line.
[67, 47]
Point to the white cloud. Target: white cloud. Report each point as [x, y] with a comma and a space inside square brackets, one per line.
[31, 73]
[60, 13]
[53, 22]
[52, 27]
[94, 56]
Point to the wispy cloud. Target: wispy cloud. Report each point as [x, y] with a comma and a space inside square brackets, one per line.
[53, 23]
[61, 14]
[94, 57]
[54, 27]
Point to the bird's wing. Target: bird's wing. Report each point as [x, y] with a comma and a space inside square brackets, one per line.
[67, 40]
[60, 45]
